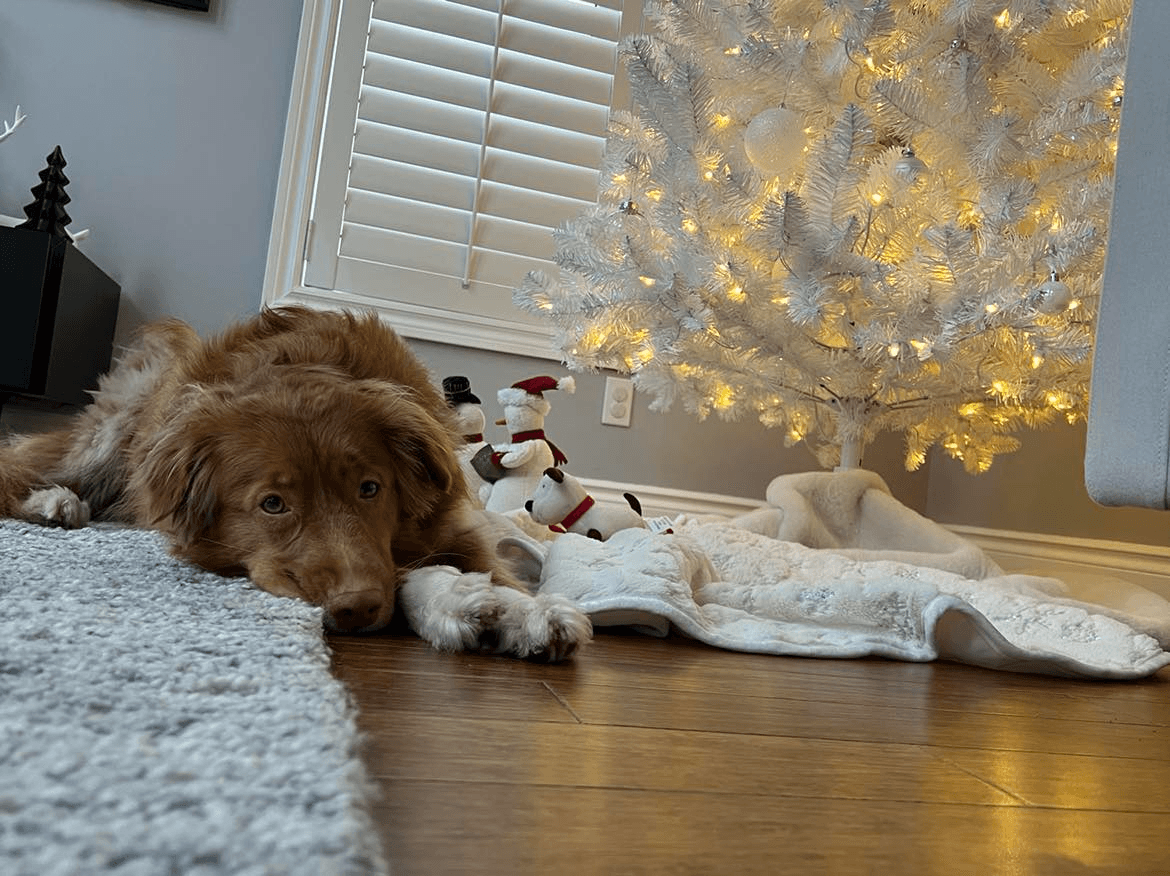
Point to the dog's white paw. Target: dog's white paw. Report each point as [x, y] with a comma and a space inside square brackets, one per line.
[548, 628]
[450, 609]
[461, 611]
[57, 506]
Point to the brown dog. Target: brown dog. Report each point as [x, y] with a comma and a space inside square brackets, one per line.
[308, 450]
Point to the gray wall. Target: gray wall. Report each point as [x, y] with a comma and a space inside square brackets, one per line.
[1040, 488]
[172, 124]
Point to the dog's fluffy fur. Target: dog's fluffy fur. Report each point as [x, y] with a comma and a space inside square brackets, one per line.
[306, 449]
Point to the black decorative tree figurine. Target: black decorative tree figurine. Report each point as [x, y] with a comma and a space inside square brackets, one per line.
[47, 212]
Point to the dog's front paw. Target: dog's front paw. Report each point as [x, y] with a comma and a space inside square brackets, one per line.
[546, 628]
[56, 506]
[449, 609]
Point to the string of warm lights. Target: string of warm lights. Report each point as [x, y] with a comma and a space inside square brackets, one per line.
[844, 218]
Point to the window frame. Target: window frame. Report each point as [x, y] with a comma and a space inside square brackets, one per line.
[293, 212]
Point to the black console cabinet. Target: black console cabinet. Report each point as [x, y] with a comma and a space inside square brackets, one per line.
[57, 317]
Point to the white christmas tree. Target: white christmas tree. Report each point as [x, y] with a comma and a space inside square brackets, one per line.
[853, 216]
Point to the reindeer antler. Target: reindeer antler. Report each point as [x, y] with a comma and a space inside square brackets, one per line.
[8, 129]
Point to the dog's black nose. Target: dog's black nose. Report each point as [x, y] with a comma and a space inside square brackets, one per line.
[354, 611]
[528, 506]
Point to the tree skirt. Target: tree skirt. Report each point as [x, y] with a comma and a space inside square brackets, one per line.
[158, 719]
[836, 567]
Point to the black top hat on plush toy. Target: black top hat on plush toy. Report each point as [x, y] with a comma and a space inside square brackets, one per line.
[457, 389]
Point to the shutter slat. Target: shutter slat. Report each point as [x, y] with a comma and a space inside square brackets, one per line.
[598, 20]
[440, 50]
[525, 138]
[553, 77]
[541, 41]
[392, 49]
[585, 18]
[395, 109]
[456, 20]
[379, 245]
[422, 185]
[418, 219]
[546, 109]
[385, 105]
[393, 202]
[406, 146]
[576, 160]
[555, 178]
[418, 80]
[507, 135]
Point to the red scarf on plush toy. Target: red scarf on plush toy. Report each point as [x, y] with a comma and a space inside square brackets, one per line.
[559, 458]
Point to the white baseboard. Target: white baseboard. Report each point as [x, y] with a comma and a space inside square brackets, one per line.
[668, 502]
[1067, 558]
[1054, 556]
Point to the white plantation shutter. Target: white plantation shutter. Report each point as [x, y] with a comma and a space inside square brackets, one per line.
[457, 134]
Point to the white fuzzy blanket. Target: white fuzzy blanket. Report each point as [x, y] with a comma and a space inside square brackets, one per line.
[836, 567]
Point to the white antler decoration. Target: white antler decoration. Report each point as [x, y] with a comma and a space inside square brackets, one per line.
[8, 129]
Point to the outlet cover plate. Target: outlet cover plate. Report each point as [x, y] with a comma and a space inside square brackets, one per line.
[619, 401]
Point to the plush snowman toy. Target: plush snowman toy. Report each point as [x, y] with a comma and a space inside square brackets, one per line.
[469, 413]
[515, 468]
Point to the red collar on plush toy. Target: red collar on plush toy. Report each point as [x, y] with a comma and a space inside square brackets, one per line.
[573, 516]
[533, 434]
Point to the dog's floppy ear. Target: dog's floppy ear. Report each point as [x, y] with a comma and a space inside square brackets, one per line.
[423, 446]
[175, 487]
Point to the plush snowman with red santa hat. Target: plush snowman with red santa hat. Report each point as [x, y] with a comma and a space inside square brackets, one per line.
[515, 468]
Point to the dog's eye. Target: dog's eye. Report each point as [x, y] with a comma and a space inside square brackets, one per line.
[273, 504]
[368, 489]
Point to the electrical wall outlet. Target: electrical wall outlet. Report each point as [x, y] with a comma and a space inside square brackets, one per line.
[619, 401]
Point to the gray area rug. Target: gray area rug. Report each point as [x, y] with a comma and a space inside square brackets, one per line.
[158, 719]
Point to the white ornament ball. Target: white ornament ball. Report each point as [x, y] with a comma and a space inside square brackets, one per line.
[909, 166]
[1054, 295]
[774, 140]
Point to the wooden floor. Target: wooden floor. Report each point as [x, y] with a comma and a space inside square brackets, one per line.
[665, 756]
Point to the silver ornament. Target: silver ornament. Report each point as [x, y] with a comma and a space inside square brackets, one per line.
[909, 166]
[1053, 295]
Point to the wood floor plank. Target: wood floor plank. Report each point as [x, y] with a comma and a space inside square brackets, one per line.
[404, 652]
[677, 663]
[1121, 784]
[682, 664]
[440, 828]
[945, 690]
[404, 746]
[454, 695]
[732, 712]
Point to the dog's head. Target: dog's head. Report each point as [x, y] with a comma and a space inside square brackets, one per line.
[315, 485]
